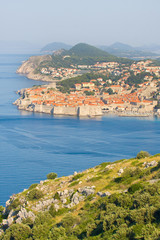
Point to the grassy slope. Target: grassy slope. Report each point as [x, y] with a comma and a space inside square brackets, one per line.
[105, 178]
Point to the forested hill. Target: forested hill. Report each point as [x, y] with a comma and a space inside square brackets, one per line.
[84, 50]
[119, 200]
[80, 54]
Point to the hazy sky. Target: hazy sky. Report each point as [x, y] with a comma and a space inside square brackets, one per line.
[135, 22]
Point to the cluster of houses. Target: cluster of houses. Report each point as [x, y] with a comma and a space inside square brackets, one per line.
[122, 98]
[47, 96]
[60, 73]
[145, 66]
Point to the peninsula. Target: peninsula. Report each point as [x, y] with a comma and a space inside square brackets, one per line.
[85, 81]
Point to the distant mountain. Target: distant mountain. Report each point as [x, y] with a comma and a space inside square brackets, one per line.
[18, 47]
[124, 50]
[85, 50]
[121, 46]
[152, 48]
[52, 47]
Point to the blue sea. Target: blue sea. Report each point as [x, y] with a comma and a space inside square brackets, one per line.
[32, 145]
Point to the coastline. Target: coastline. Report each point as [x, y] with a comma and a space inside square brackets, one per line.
[81, 111]
[138, 106]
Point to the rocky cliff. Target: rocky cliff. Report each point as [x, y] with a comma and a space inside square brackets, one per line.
[28, 68]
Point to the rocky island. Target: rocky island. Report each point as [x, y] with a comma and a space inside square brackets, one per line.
[118, 200]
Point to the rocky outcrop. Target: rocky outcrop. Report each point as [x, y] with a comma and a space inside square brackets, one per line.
[150, 164]
[44, 205]
[101, 194]
[28, 68]
[23, 214]
[87, 190]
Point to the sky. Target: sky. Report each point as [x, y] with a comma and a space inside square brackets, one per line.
[97, 22]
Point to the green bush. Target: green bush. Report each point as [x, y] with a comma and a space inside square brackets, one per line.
[43, 218]
[68, 222]
[17, 232]
[135, 187]
[61, 211]
[142, 154]
[74, 183]
[40, 232]
[56, 196]
[79, 175]
[16, 203]
[51, 175]
[34, 185]
[34, 194]
[57, 234]
[52, 210]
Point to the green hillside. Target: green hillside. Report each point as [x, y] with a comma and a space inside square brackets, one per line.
[84, 50]
[119, 200]
[84, 54]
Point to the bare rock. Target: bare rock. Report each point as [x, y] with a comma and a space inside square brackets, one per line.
[86, 190]
[103, 194]
[23, 214]
[42, 205]
[120, 171]
[150, 164]
[7, 222]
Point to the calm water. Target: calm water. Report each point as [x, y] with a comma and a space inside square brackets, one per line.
[32, 145]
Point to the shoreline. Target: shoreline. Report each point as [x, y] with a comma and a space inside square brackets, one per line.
[88, 111]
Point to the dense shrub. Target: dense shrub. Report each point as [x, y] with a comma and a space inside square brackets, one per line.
[142, 154]
[34, 194]
[135, 187]
[79, 175]
[74, 183]
[69, 222]
[51, 175]
[57, 234]
[16, 203]
[43, 218]
[17, 232]
[130, 175]
[56, 196]
[34, 185]
[40, 232]
[52, 210]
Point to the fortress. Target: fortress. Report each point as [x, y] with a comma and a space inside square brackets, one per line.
[81, 111]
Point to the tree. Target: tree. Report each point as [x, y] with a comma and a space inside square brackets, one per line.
[51, 175]
[142, 154]
[18, 232]
[34, 194]
[110, 91]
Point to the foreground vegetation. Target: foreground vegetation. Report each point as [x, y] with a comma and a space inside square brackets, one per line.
[125, 204]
